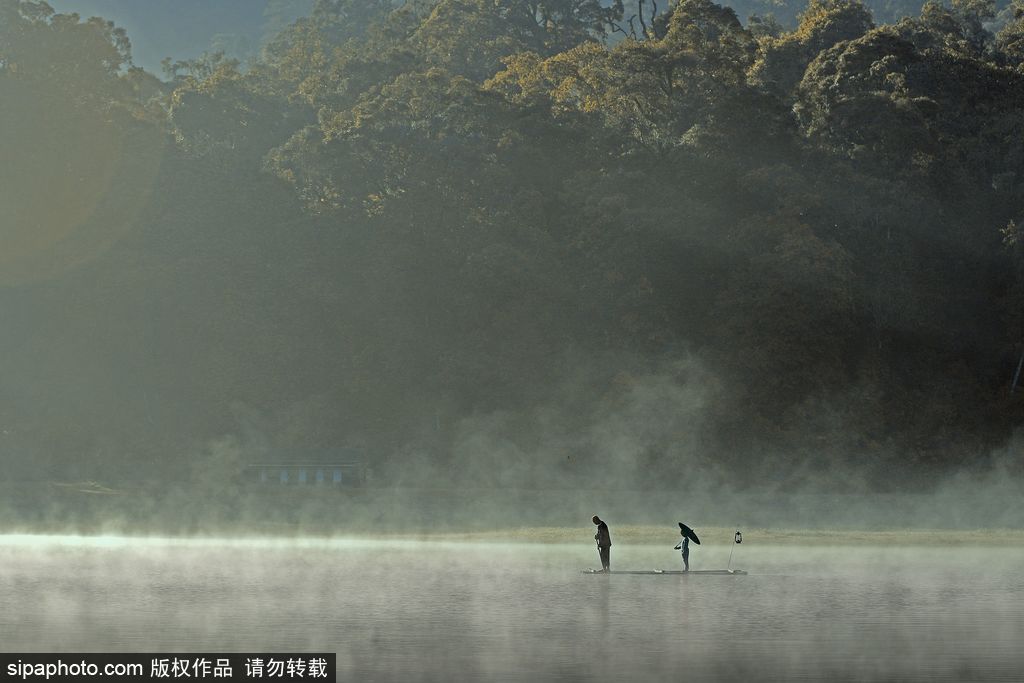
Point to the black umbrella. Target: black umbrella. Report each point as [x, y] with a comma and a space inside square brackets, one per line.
[690, 533]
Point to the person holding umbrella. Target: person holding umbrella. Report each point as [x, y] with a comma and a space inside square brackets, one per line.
[688, 535]
[604, 544]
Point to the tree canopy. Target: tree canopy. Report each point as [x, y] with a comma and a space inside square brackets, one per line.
[430, 226]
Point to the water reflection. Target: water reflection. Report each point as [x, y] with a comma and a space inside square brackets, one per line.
[494, 612]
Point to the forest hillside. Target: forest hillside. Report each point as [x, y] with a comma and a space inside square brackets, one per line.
[519, 243]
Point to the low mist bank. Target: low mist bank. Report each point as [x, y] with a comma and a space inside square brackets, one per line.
[47, 508]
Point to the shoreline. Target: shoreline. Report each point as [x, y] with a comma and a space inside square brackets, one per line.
[636, 535]
[717, 536]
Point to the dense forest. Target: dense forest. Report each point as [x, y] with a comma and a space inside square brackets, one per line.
[517, 242]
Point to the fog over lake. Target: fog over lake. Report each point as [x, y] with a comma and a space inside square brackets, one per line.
[415, 610]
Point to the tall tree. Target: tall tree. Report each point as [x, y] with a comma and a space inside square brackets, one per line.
[782, 60]
[471, 37]
[73, 130]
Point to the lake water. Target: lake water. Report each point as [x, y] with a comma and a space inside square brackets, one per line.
[421, 611]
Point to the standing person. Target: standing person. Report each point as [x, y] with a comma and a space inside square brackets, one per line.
[604, 544]
[688, 534]
[684, 547]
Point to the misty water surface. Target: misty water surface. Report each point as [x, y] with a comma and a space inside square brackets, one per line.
[447, 611]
